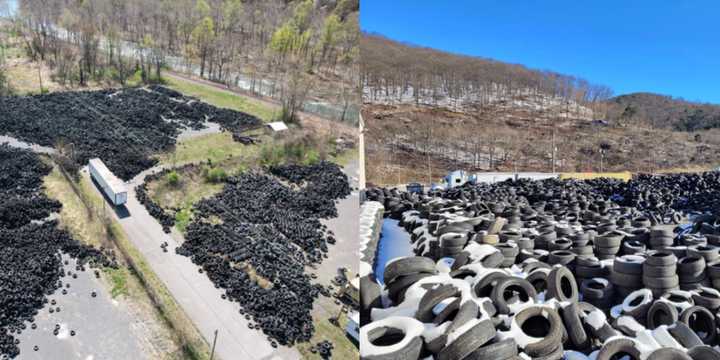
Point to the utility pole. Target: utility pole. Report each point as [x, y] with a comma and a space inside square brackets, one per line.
[212, 352]
[553, 150]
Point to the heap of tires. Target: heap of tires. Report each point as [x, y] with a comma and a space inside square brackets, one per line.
[256, 237]
[540, 269]
[30, 246]
[124, 128]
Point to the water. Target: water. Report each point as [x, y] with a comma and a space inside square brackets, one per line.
[394, 242]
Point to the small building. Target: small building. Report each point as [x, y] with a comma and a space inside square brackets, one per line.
[113, 187]
[277, 126]
[456, 178]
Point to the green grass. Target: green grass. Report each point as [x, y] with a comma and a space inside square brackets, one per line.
[182, 219]
[118, 279]
[345, 157]
[324, 330]
[224, 99]
[213, 147]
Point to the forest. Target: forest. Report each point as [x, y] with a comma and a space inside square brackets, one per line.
[288, 50]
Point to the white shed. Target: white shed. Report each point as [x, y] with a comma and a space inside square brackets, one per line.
[277, 126]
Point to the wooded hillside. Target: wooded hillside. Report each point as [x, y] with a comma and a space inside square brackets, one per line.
[661, 111]
[287, 49]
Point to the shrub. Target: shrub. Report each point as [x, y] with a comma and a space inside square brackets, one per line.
[215, 175]
[173, 178]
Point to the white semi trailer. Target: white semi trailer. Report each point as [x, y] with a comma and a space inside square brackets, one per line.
[113, 187]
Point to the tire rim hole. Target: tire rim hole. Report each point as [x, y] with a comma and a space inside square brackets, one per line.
[390, 337]
[566, 287]
[636, 301]
[622, 356]
[536, 326]
[661, 317]
[540, 285]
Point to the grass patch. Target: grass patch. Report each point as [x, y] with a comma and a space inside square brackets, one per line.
[182, 219]
[345, 157]
[224, 99]
[119, 281]
[214, 147]
[324, 330]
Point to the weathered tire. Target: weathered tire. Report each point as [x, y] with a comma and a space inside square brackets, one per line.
[576, 332]
[369, 297]
[707, 297]
[700, 319]
[703, 352]
[433, 297]
[396, 289]
[684, 335]
[404, 332]
[661, 258]
[661, 282]
[629, 264]
[501, 350]
[661, 313]
[407, 266]
[484, 287]
[668, 354]
[562, 285]
[615, 347]
[468, 341]
[549, 339]
[468, 311]
[521, 286]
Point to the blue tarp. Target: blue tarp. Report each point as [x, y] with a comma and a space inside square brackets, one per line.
[394, 242]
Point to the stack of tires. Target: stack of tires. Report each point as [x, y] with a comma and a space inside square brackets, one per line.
[661, 238]
[452, 243]
[691, 272]
[627, 274]
[510, 251]
[608, 244]
[659, 272]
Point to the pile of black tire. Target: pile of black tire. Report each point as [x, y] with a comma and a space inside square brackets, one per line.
[541, 269]
[30, 246]
[122, 127]
[275, 229]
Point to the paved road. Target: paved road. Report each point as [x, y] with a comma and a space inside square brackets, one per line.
[24, 145]
[104, 327]
[193, 291]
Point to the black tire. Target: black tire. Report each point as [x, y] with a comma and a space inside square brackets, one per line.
[609, 240]
[668, 354]
[661, 282]
[562, 285]
[573, 325]
[596, 289]
[461, 259]
[703, 352]
[700, 319]
[450, 308]
[484, 287]
[590, 271]
[469, 341]
[501, 350]
[658, 271]
[553, 336]
[468, 311]
[407, 266]
[522, 287]
[433, 297]
[563, 257]
[453, 239]
[709, 252]
[369, 297]
[396, 289]
[684, 335]
[615, 347]
[691, 265]
[629, 264]
[661, 313]
[508, 249]
[531, 266]
[626, 280]
[538, 279]
[707, 298]
[493, 260]
[661, 258]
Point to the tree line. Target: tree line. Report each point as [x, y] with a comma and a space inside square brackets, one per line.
[391, 69]
[290, 42]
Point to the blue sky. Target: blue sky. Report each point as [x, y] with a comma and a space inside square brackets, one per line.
[662, 46]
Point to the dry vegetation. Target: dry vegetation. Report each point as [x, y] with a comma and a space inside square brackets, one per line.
[482, 115]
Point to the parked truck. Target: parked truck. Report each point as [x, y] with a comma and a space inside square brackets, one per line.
[113, 187]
